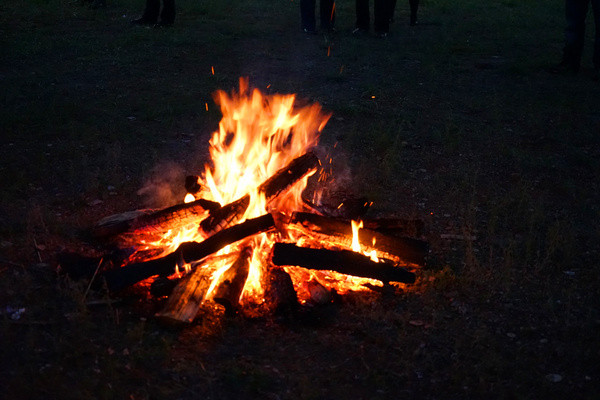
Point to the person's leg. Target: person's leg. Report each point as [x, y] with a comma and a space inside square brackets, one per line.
[327, 12]
[414, 7]
[575, 12]
[392, 9]
[596, 11]
[150, 15]
[307, 15]
[167, 16]
[151, 11]
[362, 14]
[382, 18]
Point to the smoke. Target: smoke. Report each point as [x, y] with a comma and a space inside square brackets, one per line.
[164, 187]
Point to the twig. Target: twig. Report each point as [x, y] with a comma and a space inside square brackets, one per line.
[93, 277]
[37, 250]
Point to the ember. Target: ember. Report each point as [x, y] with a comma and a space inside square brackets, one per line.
[245, 238]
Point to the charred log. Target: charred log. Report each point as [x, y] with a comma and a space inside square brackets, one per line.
[120, 278]
[395, 226]
[231, 284]
[349, 208]
[338, 231]
[342, 261]
[271, 188]
[153, 221]
[192, 184]
[287, 176]
[187, 297]
[280, 295]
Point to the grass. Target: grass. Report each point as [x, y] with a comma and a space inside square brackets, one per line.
[454, 121]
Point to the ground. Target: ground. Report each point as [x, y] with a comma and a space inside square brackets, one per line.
[455, 121]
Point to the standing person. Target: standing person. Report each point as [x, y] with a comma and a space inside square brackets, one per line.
[414, 7]
[576, 12]
[381, 23]
[152, 11]
[326, 12]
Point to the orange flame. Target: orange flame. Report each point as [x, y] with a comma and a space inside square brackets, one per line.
[258, 135]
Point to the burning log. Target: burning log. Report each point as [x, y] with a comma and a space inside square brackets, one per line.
[271, 188]
[342, 261]
[395, 226]
[120, 278]
[280, 296]
[340, 232]
[133, 223]
[155, 222]
[186, 299]
[232, 282]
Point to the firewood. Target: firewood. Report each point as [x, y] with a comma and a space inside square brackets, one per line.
[231, 284]
[152, 221]
[280, 296]
[279, 182]
[342, 261]
[287, 176]
[339, 232]
[120, 278]
[187, 297]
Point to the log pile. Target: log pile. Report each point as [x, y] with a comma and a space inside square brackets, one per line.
[299, 241]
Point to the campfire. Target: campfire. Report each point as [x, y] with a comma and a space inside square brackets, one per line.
[249, 236]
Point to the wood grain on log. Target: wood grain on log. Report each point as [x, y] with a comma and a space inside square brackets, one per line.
[231, 283]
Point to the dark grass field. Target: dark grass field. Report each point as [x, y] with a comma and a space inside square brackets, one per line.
[455, 121]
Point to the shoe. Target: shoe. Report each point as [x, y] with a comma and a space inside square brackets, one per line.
[360, 31]
[381, 34]
[565, 68]
[309, 31]
[142, 21]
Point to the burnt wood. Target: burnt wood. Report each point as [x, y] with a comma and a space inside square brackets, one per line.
[120, 278]
[229, 289]
[153, 221]
[342, 261]
[282, 180]
[187, 297]
[339, 231]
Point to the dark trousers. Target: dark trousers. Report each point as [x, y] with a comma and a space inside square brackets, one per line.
[381, 9]
[414, 8]
[167, 15]
[326, 13]
[576, 12]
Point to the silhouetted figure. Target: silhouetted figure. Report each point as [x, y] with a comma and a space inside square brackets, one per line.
[381, 11]
[152, 12]
[576, 12]
[326, 13]
[414, 8]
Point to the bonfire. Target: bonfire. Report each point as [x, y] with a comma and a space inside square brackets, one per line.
[248, 235]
